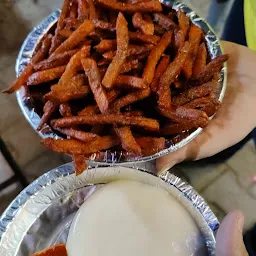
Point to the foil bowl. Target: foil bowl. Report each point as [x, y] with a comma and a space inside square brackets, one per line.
[110, 157]
[41, 214]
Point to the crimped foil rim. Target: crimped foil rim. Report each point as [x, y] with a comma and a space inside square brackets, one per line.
[27, 207]
[33, 118]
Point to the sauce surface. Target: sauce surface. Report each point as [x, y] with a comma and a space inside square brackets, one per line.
[130, 218]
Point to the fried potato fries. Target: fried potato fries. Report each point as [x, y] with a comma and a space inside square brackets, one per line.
[56, 250]
[124, 77]
[121, 54]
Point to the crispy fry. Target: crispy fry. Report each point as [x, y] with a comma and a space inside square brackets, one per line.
[73, 11]
[151, 145]
[195, 35]
[146, 27]
[179, 39]
[74, 64]
[92, 11]
[210, 69]
[119, 119]
[105, 45]
[183, 114]
[89, 110]
[162, 66]
[148, 6]
[103, 25]
[46, 75]
[74, 89]
[56, 250]
[103, 62]
[93, 74]
[80, 165]
[94, 109]
[27, 72]
[154, 57]
[207, 104]
[77, 37]
[170, 74]
[130, 65]
[49, 109]
[75, 147]
[60, 25]
[121, 55]
[200, 61]
[183, 22]
[82, 9]
[72, 24]
[127, 140]
[132, 50]
[65, 33]
[195, 92]
[130, 82]
[65, 110]
[138, 37]
[112, 95]
[79, 135]
[55, 61]
[140, 56]
[129, 99]
[171, 129]
[164, 21]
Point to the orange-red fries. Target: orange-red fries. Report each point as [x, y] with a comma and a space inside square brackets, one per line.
[23, 78]
[154, 57]
[143, 6]
[172, 71]
[93, 74]
[121, 54]
[79, 163]
[56, 250]
[145, 25]
[76, 37]
[123, 76]
[162, 66]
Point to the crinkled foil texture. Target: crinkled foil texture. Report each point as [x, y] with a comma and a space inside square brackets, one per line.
[107, 157]
[41, 214]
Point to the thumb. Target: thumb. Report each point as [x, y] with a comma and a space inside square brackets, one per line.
[229, 240]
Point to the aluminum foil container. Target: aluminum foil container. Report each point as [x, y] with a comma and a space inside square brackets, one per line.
[33, 118]
[41, 215]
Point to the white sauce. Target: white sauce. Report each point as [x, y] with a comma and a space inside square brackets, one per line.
[127, 218]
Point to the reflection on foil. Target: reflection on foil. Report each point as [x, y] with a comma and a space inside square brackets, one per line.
[108, 157]
[41, 215]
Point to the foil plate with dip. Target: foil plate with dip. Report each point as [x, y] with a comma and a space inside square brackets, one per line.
[42, 214]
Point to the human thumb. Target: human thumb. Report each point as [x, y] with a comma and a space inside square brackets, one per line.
[229, 240]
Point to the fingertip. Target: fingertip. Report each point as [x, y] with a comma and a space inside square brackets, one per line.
[229, 239]
[164, 163]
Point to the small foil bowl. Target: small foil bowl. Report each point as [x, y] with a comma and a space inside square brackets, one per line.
[41, 215]
[111, 157]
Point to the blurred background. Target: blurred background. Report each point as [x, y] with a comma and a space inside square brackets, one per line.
[226, 185]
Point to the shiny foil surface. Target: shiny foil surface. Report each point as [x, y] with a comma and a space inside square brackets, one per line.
[108, 157]
[41, 215]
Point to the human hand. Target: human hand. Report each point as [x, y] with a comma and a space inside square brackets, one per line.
[236, 116]
[229, 240]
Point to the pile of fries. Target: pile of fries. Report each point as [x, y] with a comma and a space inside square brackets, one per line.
[121, 76]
